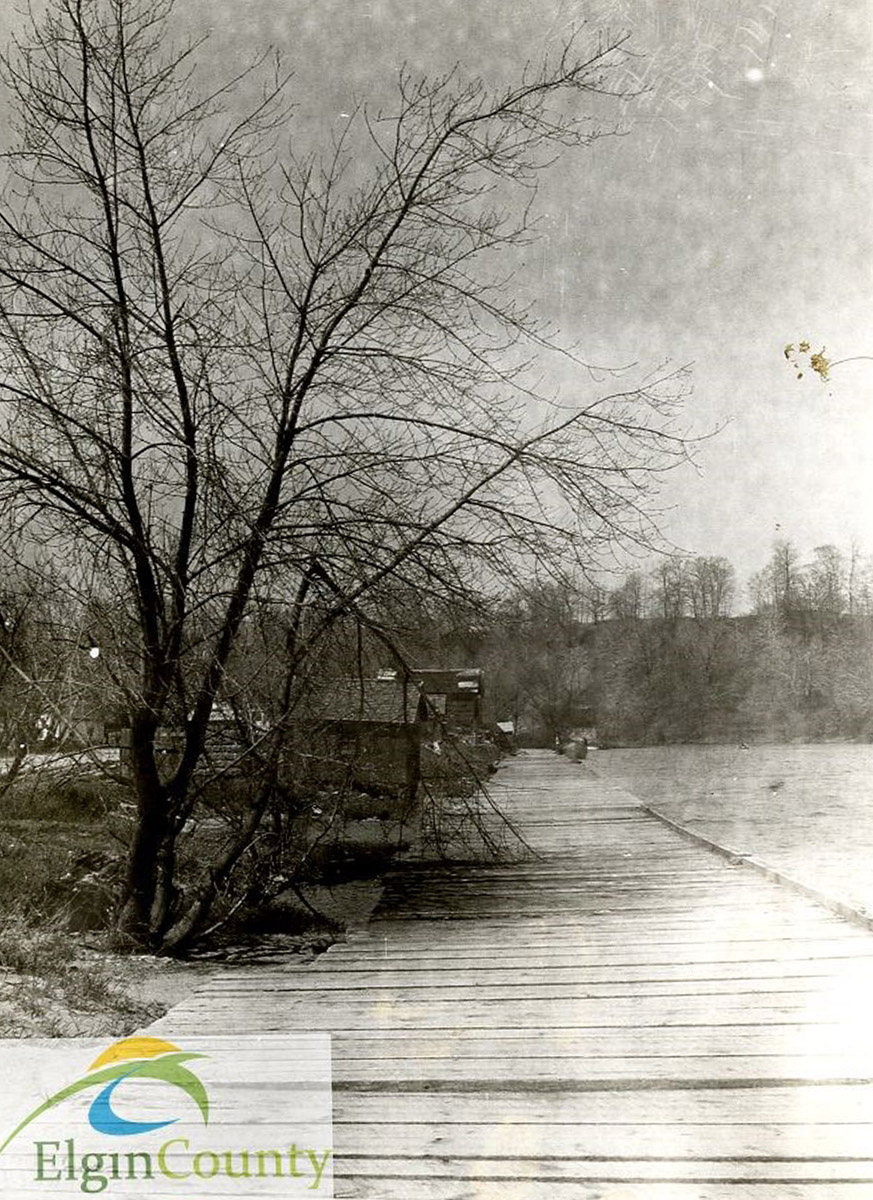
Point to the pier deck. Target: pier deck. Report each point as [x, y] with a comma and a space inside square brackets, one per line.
[627, 1016]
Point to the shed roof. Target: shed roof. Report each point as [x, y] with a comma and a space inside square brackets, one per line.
[362, 701]
[448, 682]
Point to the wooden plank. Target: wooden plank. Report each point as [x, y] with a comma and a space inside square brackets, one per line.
[349, 1187]
[667, 1041]
[824, 1104]
[368, 1017]
[675, 1141]
[844, 973]
[544, 1168]
[405, 1039]
[567, 1072]
[821, 950]
[683, 926]
[494, 984]
[495, 943]
[380, 967]
[542, 1012]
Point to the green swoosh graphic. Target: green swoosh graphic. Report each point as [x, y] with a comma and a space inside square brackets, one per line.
[170, 1070]
[167, 1068]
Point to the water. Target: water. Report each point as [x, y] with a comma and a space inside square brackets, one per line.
[805, 809]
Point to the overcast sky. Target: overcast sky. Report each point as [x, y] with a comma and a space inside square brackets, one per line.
[733, 217]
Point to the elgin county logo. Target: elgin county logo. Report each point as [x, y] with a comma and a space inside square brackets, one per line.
[177, 1160]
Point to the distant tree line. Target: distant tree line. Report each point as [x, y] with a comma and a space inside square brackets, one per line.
[662, 656]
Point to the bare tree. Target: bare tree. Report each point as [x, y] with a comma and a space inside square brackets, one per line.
[778, 587]
[627, 602]
[827, 584]
[859, 571]
[710, 586]
[593, 602]
[670, 587]
[240, 379]
[23, 686]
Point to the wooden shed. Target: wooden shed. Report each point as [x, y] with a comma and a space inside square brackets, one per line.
[364, 732]
[454, 695]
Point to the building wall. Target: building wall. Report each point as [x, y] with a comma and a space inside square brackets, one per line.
[383, 758]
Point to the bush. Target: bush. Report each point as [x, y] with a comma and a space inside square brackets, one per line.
[32, 864]
[57, 986]
[45, 796]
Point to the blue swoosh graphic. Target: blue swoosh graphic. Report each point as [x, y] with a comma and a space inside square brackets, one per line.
[104, 1120]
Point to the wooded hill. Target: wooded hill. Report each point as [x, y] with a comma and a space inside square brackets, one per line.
[661, 657]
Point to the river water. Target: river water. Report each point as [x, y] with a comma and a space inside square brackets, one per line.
[805, 809]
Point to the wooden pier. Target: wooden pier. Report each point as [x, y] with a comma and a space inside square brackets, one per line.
[626, 1016]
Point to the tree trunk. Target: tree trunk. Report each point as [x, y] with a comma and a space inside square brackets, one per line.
[152, 829]
[166, 891]
[192, 920]
[14, 768]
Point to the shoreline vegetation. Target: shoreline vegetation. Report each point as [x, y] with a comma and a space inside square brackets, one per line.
[54, 983]
[61, 845]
